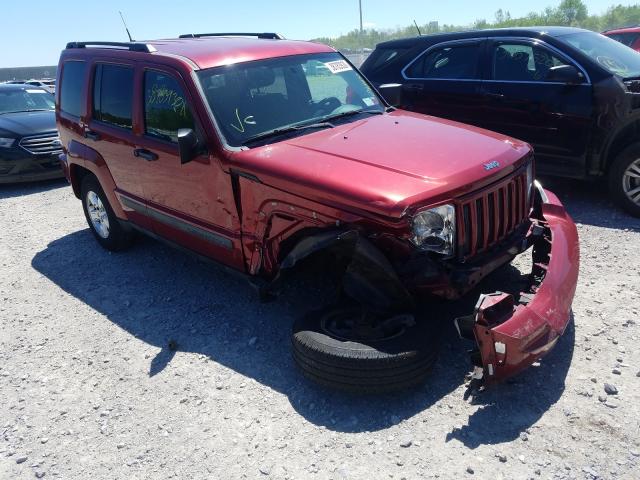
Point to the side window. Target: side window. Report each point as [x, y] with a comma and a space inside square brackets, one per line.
[113, 95]
[73, 76]
[165, 107]
[451, 62]
[519, 62]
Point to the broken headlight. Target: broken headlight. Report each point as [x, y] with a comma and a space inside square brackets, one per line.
[434, 230]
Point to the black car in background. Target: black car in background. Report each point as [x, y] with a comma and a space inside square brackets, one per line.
[571, 93]
[29, 141]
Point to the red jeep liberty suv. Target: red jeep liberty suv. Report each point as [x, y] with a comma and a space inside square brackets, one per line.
[258, 152]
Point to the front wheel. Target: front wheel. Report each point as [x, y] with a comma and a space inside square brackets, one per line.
[624, 179]
[340, 348]
[102, 221]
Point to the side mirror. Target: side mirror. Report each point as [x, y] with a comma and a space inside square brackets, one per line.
[392, 93]
[188, 145]
[565, 74]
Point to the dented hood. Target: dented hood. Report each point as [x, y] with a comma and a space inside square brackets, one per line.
[385, 163]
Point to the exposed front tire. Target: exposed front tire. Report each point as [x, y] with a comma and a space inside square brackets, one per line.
[335, 348]
[624, 179]
[103, 223]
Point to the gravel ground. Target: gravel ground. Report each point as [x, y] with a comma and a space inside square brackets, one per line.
[150, 364]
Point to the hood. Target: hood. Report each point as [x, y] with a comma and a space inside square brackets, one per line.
[386, 163]
[28, 123]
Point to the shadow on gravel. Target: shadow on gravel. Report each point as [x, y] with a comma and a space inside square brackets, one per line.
[29, 188]
[174, 302]
[589, 203]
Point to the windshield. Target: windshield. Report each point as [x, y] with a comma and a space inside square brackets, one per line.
[25, 100]
[253, 99]
[613, 56]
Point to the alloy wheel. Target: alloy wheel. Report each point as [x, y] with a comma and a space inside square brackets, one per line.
[631, 181]
[98, 214]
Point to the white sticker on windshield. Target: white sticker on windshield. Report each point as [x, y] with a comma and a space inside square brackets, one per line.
[369, 102]
[338, 66]
[29, 90]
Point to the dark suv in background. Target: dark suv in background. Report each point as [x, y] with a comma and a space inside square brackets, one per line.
[572, 94]
[29, 141]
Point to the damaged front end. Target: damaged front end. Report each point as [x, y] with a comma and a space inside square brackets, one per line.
[510, 331]
[512, 334]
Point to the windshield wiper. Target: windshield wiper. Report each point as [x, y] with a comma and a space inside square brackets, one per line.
[29, 110]
[353, 112]
[280, 131]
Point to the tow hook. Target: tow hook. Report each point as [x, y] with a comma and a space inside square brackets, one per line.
[490, 311]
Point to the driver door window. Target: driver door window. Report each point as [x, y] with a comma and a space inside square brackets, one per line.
[523, 63]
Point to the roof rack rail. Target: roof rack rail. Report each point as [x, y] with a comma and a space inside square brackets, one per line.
[132, 46]
[265, 35]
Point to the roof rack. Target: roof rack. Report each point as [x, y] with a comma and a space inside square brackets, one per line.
[265, 35]
[132, 46]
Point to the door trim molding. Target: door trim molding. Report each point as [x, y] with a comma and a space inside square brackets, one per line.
[176, 223]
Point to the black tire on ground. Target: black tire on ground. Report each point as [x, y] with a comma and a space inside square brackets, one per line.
[621, 167]
[114, 237]
[389, 364]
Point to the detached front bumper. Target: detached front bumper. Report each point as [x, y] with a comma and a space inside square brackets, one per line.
[510, 334]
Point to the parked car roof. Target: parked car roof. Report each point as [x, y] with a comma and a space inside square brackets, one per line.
[630, 29]
[495, 32]
[207, 52]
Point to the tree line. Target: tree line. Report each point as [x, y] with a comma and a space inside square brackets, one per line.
[567, 13]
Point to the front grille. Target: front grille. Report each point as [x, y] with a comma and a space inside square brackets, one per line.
[42, 144]
[489, 216]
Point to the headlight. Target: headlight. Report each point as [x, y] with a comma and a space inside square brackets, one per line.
[529, 185]
[435, 229]
[6, 142]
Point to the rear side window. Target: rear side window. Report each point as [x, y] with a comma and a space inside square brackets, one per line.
[383, 56]
[73, 75]
[113, 95]
[165, 107]
[450, 62]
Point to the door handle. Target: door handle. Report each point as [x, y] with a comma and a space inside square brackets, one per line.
[92, 135]
[495, 96]
[414, 87]
[148, 155]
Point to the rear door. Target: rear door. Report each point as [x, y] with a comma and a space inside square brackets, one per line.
[555, 118]
[110, 130]
[446, 81]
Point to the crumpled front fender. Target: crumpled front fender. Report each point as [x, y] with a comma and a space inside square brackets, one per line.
[369, 278]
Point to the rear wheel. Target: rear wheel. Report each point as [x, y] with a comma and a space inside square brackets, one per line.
[624, 179]
[340, 347]
[102, 221]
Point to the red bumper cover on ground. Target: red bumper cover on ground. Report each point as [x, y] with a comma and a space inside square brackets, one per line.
[512, 335]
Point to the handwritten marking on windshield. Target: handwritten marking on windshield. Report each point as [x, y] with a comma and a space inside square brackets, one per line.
[248, 120]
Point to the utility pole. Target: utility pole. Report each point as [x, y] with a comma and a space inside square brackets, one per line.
[360, 2]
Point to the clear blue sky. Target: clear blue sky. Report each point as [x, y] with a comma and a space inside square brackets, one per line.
[32, 32]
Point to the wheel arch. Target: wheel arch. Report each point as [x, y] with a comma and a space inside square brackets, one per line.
[619, 140]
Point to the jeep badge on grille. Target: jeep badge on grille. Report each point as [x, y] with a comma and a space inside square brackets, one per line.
[491, 165]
